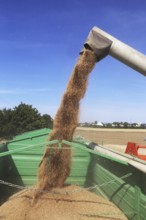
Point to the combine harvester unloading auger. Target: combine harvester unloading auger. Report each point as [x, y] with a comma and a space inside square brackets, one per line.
[104, 44]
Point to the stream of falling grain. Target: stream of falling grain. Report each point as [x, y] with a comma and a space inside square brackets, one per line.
[55, 165]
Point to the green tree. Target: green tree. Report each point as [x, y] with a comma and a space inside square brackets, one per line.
[26, 118]
[47, 121]
[6, 124]
[126, 125]
[109, 125]
[21, 119]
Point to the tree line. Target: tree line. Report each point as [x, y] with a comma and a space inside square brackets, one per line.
[22, 118]
[113, 125]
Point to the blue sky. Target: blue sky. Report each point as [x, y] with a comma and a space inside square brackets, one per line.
[40, 41]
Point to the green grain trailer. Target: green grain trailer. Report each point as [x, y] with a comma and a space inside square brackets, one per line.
[117, 177]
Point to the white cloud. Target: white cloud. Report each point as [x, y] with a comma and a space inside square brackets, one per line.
[22, 91]
[6, 91]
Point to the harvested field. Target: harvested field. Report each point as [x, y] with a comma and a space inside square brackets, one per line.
[67, 203]
[105, 136]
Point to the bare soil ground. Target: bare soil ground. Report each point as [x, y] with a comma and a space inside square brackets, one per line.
[112, 136]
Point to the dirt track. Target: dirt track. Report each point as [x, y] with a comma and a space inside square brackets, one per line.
[106, 136]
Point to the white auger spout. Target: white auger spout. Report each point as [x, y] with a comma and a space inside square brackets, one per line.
[104, 44]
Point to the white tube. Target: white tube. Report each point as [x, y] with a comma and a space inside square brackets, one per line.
[124, 53]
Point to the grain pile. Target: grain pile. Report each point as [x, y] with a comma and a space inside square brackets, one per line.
[67, 203]
[55, 165]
